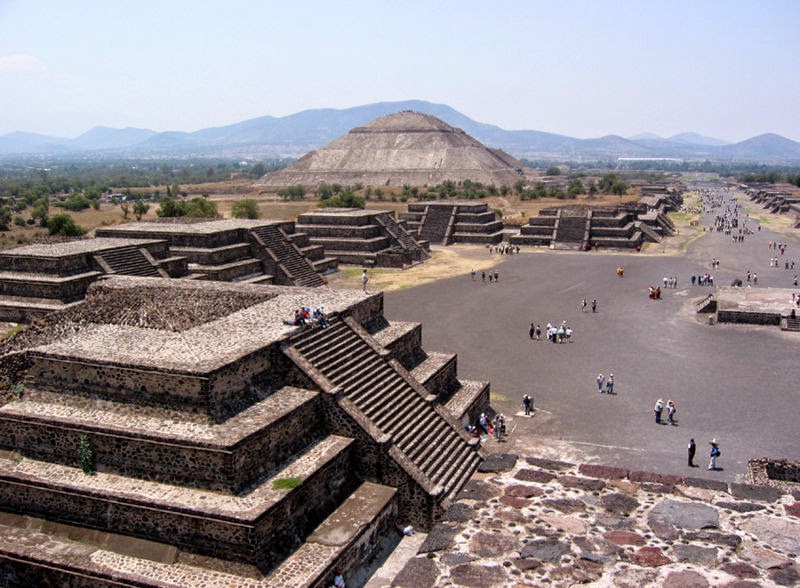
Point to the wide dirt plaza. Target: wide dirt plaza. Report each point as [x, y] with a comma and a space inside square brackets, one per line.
[735, 383]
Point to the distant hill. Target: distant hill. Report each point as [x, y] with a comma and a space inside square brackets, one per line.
[299, 133]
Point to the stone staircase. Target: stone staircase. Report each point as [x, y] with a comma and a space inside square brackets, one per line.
[434, 443]
[437, 224]
[570, 230]
[648, 232]
[790, 324]
[296, 267]
[401, 236]
[130, 261]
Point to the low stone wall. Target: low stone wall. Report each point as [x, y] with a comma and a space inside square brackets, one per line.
[214, 256]
[754, 318]
[66, 289]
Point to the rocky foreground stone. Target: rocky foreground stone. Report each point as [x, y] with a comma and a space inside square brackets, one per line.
[533, 522]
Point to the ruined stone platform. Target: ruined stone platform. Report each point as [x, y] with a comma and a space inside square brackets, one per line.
[763, 306]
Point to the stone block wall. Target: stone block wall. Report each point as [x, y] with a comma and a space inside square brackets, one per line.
[66, 289]
[755, 318]
[210, 465]
[262, 541]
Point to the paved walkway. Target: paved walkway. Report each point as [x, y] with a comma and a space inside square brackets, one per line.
[735, 383]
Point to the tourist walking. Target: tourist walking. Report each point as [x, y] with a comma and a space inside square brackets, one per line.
[691, 450]
[657, 410]
[714, 454]
[610, 384]
[472, 273]
[532, 331]
[527, 404]
[671, 408]
[594, 305]
[600, 380]
[538, 332]
[364, 280]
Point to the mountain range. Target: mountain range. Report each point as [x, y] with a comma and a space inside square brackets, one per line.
[294, 135]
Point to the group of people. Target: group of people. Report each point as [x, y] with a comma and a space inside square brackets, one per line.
[560, 334]
[503, 249]
[492, 275]
[713, 454]
[605, 384]
[583, 305]
[487, 426]
[304, 317]
[702, 280]
[671, 410]
[670, 281]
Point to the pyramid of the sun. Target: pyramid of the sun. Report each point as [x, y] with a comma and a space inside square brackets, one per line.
[398, 149]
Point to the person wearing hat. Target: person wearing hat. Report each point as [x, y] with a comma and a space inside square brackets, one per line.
[657, 410]
[714, 454]
[610, 384]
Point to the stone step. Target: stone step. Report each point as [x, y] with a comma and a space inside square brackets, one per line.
[392, 401]
[251, 527]
[436, 372]
[351, 368]
[424, 452]
[21, 309]
[162, 445]
[362, 519]
[471, 393]
[386, 382]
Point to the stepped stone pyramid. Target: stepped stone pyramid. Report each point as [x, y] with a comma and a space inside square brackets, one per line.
[235, 450]
[37, 279]
[362, 237]
[398, 149]
[454, 221]
[625, 227]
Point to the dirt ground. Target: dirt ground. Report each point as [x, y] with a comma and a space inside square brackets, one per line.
[733, 382]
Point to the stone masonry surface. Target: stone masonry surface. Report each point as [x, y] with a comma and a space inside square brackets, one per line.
[541, 522]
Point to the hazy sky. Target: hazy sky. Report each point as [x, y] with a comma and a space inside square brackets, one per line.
[728, 68]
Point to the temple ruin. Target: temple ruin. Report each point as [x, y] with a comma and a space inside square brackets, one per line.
[232, 450]
[37, 279]
[582, 227]
[363, 237]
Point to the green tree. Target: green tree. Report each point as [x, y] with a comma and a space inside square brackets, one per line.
[553, 170]
[247, 208]
[324, 191]
[575, 187]
[41, 211]
[64, 224]
[125, 207]
[202, 207]
[346, 199]
[76, 202]
[519, 186]
[140, 208]
[170, 208]
[5, 218]
[619, 188]
[258, 170]
[297, 192]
